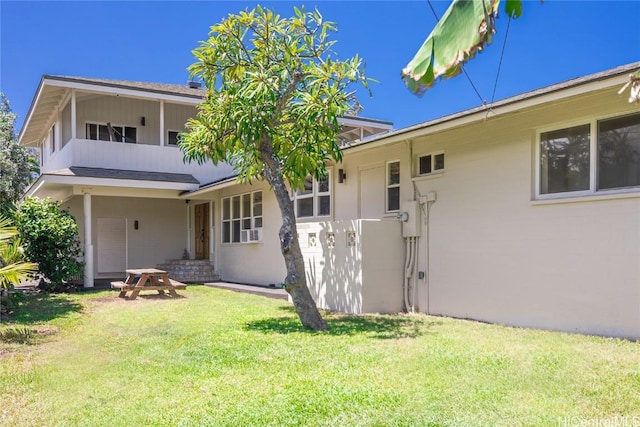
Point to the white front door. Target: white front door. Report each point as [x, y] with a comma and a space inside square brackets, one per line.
[112, 245]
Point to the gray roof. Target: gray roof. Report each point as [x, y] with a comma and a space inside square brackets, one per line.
[124, 174]
[367, 119]
[165, 88]
[219, 181]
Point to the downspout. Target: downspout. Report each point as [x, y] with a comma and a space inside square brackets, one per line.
[414, 278]
[427, 273]
[410, 282]
[428, 200]
[410, 266]
[406, 275]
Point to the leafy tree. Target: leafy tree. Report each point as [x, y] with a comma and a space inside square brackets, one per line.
[18, 166]
[50, 237]
[275, 92]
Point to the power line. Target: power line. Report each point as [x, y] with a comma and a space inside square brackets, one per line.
[504, 45]
[475, 89]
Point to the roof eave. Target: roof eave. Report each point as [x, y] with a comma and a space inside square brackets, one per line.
[103, 87]
[34, 101]
[223, 183]
[70, 180]
[610, 78]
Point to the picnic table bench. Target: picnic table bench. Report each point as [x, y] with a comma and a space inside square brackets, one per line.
[149, 279]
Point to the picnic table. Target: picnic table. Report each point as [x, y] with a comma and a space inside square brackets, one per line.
[148, 279]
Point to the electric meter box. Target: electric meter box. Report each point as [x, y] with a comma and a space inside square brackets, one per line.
[411, 227]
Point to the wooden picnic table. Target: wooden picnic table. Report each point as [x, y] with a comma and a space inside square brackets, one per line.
[149, 279]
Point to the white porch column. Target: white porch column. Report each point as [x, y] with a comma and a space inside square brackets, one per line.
[189, 230]
[88, 244]
[73, 114]
[162, 123]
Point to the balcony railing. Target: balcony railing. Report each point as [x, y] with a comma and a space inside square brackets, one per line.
[141, 157]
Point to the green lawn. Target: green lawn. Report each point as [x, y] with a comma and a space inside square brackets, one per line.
[219, 358]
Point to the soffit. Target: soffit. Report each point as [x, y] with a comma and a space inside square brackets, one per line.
[42, 113]
[53, 93]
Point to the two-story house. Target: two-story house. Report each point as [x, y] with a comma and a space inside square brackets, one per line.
[108, 151]
[525, 212]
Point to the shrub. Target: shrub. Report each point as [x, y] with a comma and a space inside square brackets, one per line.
[50, 238]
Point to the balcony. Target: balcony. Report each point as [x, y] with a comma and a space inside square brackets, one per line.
[137, 157]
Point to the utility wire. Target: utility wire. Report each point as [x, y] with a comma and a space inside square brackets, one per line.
[433, 10]
[475, 89]
[474, 86]
[504, 45]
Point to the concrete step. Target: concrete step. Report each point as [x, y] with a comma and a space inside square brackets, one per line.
[190, 270]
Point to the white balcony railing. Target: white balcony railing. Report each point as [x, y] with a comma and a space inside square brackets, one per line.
[141, 157]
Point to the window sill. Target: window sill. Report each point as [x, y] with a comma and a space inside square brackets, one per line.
[593, 197]
[427, 176]
[240, 243]
[306, 219]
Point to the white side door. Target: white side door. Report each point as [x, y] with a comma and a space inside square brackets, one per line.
[112, 245]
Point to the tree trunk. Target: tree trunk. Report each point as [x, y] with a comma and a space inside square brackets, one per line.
[296, 280]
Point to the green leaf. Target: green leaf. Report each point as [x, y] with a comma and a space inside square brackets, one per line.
[465, 28]
[513, 8]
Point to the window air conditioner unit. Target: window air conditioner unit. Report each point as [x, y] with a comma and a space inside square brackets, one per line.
[251, 235]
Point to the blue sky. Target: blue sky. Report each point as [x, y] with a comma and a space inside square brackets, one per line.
[152, 41]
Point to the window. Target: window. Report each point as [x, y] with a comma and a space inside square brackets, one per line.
[52, 138]
[314, 199]
[172, 137]
[584, 159]
[110, 132]
[619, 152]
[564, 160]
[241, 212]
[430, 163]
[393, 186]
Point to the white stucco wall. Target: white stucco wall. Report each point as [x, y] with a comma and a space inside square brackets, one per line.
[495, 252]
[252, 263]
[498, 255]
[358, 274]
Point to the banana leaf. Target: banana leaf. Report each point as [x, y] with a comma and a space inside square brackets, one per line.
[465, 28]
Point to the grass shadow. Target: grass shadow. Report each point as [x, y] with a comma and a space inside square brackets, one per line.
[43, 307]
[375, 326]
